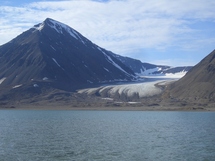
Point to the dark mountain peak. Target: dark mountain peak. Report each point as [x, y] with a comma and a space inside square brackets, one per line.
[61, 32]
[51, 20]
[57, 55]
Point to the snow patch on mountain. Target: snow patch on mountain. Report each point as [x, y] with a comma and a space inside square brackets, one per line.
[52, 47]
[2, 80]
[17, 86]
[106, 69]
[40, 26]
[57, 63]
[45, 78]
[36, 85]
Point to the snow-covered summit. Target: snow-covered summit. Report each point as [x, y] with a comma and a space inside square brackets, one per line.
[60, 28]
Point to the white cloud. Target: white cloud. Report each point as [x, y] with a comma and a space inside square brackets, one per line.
[122, 26]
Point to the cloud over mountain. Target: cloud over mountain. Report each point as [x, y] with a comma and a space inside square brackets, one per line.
[143, 29]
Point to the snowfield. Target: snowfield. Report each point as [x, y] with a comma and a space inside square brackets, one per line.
[147, 74]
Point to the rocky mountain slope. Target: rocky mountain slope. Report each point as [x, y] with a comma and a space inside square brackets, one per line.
[197, 86]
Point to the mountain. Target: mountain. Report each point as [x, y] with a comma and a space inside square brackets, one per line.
[53, 54]
[146, 69]
[198, 85]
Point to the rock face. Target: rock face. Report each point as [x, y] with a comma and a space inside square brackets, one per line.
[54, 54]
[198, 85]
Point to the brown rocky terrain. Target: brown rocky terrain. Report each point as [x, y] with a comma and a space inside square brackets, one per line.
[197, 87]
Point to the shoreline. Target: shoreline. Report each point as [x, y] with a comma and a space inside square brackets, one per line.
[100, 99]
[111, 108]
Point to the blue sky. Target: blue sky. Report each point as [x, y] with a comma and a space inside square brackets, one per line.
[166, 32]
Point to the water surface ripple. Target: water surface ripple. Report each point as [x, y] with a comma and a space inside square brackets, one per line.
[106, 136]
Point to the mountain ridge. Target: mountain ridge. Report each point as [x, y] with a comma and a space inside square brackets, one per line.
[145, 69]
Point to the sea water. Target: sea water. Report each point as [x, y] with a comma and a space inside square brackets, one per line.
[28, 135]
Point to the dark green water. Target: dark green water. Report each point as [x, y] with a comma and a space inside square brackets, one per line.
[106, 136]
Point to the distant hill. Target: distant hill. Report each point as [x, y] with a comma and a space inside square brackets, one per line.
[198, 85]
[146, 69]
